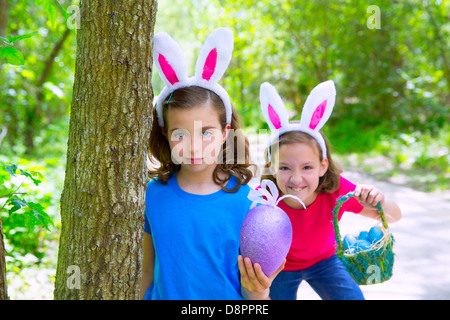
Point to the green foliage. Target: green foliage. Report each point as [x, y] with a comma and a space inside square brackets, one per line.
[36, 95]
[49, 9]
[30, 213]
[11, 39]
[11, 54]
[421, 161]
[393, 79]
[30, 247]
[22, 212]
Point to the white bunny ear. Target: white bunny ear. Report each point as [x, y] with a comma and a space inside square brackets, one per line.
[318, 106]
[215, 55]
[272, 107]
[169, 59]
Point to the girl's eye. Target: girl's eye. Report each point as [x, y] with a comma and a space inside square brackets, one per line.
[284, 168]
[206, 133]
[179, 135]
[307, 168]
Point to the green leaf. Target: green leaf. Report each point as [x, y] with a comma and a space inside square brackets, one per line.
[33, 213]
[11, 169]
[21, 37]
[16, 203]
[51, 10]
[28, 175]
[4, 40]
[40, 214]
[37, 174]
[12, 56]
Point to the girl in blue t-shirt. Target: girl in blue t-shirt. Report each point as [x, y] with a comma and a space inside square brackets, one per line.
[197, 200]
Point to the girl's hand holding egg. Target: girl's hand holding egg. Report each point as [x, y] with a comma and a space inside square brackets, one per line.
[253, 280]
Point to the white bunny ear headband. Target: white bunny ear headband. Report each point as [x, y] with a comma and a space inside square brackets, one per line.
[212, 62]
[315, 113]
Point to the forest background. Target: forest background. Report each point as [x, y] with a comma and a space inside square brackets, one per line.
[389, 59]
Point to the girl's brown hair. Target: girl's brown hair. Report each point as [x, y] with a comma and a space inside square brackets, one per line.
[160, 154]
[330, 181]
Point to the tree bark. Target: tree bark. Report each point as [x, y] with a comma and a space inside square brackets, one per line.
[3, 286]
[3, 17]
[103, 200]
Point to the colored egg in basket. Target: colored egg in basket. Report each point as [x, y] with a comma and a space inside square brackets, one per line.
[375, 235]
[364, 241]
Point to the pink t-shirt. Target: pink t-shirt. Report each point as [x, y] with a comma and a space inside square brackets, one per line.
[313, 238]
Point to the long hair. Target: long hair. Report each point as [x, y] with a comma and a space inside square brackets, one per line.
[234, 158]
[330, 181]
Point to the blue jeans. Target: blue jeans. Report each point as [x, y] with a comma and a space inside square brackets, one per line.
[328, 278]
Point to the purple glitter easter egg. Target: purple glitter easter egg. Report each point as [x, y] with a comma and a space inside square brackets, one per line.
[266, 236]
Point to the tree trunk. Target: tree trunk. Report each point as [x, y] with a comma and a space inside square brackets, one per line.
[3, 17]
[103, 201]
[3, 286]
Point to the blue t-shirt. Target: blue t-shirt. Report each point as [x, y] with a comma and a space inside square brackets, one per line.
[196, 241]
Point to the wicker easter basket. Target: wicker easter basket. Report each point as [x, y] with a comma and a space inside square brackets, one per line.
[369, 266]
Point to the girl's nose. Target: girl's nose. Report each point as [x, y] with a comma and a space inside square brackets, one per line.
[196, 145]
[296, 178]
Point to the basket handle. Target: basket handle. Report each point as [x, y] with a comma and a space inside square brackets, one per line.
[339, 202]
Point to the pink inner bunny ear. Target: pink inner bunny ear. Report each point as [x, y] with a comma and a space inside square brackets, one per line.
[210, 65]
[167, 69]
[317, 115]
[274, 118]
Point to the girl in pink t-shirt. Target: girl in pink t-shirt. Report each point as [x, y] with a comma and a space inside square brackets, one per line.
[300, 163]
